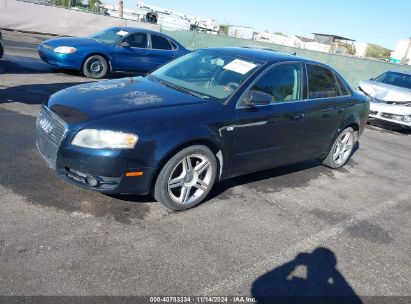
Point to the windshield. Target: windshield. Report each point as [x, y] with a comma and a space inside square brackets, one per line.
[395, 79]
[109, 36]
[207, 73]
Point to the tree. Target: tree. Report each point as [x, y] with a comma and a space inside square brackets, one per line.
[223, 30]
[376, 51]
[94, 5]
[65, 3]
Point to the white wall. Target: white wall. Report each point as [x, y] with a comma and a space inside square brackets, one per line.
[31, 17]
[402, 49]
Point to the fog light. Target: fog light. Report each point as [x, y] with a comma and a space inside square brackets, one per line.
[407, 118]
[91, 181]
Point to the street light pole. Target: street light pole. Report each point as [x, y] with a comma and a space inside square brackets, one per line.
[120, 8]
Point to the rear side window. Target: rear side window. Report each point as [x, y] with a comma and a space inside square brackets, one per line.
[343, 89]
[173, 45]
[160, 43]
[322, 83]
[137, 40]
[281, 83]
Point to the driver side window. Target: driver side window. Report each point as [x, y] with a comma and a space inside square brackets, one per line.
[281, 83]
[137, 40]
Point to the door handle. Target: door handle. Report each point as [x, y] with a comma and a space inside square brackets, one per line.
[299, 116]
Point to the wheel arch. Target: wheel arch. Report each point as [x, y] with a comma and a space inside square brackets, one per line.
[349, 122]
[208, 142]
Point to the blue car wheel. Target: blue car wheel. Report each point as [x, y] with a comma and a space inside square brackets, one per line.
[95, 66]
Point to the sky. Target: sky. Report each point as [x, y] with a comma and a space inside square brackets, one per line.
[372, 21]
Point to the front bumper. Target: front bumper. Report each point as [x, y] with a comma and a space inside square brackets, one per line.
[397, 114]
[65, 61]
[79, 165]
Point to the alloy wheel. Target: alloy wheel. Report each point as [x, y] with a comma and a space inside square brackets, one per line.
[190, 178]
[343, 148]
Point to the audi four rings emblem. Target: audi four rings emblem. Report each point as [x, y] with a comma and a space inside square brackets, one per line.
[45, 125]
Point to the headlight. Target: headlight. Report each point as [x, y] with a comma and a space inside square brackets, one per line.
[99, 139]
[65, 50]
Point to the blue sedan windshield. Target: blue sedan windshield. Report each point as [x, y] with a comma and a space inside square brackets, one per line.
[207, 74]
[109, 36]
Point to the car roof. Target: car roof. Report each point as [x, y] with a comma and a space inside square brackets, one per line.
[137, 29]
[259, 54]
[132, 30]
[400, 72]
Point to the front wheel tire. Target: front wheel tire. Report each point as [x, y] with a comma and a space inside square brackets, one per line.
[186, 178]
[341, 149]
[95, 66]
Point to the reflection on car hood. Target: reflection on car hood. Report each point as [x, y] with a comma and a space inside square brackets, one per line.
[386, 92]
[110, 97]
[71, 41]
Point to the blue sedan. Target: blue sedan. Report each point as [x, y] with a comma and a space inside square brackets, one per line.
[114, 49]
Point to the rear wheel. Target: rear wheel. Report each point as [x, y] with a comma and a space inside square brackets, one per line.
[186, 179]
[95, 66]
[341, 149]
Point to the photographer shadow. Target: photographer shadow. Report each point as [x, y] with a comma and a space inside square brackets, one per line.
[309, 278]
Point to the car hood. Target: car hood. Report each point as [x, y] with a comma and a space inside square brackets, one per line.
[91, 101]
[385, 92]
[71, 41]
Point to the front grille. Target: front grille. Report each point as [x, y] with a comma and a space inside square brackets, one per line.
[50, 131]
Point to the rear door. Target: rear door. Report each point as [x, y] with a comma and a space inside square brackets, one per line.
[327, 100]
[160, 52]
[132, 57]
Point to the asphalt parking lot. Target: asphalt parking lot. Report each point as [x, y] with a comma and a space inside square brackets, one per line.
[57, 239]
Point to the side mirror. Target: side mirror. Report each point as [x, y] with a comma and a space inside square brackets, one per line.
[257, 98]
[124, 44]
[371, 78]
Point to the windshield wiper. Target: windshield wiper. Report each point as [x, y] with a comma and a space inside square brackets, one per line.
[182, 89]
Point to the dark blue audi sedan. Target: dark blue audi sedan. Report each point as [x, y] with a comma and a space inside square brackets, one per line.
[204, 117]
[114, 49]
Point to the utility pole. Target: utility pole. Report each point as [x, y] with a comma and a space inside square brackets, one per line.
[120, 8]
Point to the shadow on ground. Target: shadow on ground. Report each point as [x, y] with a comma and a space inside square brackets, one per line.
[38, 93]
[32, 93]
[12, 64]
[297, 175]
[309, 278]
[386, 126]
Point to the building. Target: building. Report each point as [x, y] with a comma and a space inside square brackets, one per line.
[402, 52]
[336, 44]
[278, 38]
[361, 49]
[243, 32]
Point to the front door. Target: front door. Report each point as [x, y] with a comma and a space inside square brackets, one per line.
[271, 134]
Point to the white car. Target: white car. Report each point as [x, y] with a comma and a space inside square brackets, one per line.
[390, 97]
